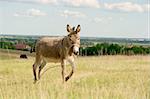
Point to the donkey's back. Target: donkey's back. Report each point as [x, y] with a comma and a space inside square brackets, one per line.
[48, 47]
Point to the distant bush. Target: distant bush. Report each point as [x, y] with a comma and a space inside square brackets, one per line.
[7, 45]
[114, 49]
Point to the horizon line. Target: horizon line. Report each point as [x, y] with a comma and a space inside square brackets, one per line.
[64, 35]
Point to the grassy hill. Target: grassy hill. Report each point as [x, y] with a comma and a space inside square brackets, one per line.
[103, 77]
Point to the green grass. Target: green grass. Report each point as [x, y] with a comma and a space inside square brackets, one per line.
[103, 77]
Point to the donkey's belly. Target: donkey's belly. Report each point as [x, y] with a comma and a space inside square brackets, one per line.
[51, 59]
[51, 55]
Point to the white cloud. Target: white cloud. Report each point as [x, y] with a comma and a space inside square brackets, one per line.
[121, 19]
[73, 14]
[110, 18]
[48, 1]
[74, 3]
[30, 13]
[146, 7]
[102, 19]
[121, 6]
[80, 3]
[98, 19]
[126, 7]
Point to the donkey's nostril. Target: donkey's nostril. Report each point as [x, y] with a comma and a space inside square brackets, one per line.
[76, 53]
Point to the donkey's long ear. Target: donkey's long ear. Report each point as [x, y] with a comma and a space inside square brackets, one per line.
[68, 28]
[78, 28]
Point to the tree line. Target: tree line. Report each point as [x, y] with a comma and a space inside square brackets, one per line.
[98, 49]
[114, 49]
[7, 45]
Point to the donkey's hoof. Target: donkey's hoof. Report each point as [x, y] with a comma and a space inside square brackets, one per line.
[66, 79]
[34, 81]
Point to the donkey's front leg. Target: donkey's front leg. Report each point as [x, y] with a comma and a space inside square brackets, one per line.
[63, 63]
[71, 61]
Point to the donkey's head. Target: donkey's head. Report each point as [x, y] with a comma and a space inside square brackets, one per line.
[74, 38]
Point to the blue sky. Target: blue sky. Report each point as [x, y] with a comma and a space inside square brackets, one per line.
[98, 18]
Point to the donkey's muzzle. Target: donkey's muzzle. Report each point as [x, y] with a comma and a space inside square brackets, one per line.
[76, 50]
[76, 53]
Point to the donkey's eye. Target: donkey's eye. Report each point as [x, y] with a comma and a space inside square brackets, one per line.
[78, 38]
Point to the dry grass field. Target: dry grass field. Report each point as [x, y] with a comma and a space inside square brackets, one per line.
[102, 77]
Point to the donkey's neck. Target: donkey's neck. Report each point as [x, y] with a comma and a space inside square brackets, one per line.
[65, 48]
[65, 42]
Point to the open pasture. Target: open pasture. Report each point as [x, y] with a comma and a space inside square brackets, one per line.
[101, 77]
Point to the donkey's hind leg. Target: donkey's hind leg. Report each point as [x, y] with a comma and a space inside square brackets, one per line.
[41, 67]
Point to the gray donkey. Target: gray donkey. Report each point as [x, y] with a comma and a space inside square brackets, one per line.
[56, 49]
